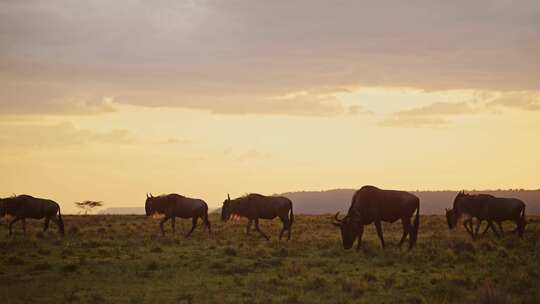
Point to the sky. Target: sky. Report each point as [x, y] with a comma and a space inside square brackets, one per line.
[109, 100]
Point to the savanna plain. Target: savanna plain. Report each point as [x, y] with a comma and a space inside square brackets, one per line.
[124, 259]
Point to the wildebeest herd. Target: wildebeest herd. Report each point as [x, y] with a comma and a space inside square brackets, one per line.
[369, 205]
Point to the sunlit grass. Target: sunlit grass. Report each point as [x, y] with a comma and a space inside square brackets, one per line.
[122, 259]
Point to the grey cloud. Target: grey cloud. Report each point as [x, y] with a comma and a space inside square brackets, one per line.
[252, 155]
[433, 115]
[528, 101]
[58, 135]
[203, 54]
[439, 113]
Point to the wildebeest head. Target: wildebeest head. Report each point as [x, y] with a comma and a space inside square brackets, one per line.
[226, 209]
[452, 215]
[451, 219]
[349, 229]
[148, 204]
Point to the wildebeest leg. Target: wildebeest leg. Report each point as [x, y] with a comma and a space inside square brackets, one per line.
[289, 231]
[490, 223]
[207, 224]
[465, 222]
[500, 228]
[379, 232]
[259, 229]
[407, 227]
[360, 233]
[517, 226]
[46, 226]
[478, 224]
[56, 221]
[193, 225]
[11, 224]
[286, 226]
[173, 224]
[163, 220]
[248, 228]
[485, 230]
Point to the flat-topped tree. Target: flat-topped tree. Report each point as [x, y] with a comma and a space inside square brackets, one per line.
[88, 206]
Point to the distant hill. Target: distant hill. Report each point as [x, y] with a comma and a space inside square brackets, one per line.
[123, 211]
[431, 202]
[331, 201]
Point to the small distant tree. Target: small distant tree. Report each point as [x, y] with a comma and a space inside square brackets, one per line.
[88, 206]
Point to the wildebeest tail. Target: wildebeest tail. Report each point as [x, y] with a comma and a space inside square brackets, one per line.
[291, 215]
[523, 221]
[60, 221]
[416, 225]
[206, 221]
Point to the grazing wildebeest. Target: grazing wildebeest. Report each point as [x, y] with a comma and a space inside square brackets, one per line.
[255, 206]
[22, 207]
[173, 205]
[373, 205]
[488, 208]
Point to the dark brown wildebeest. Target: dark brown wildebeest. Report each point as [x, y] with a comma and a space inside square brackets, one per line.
[373, 205]
[488, 208]
[174, 205]
[22, 207]
[255, 206]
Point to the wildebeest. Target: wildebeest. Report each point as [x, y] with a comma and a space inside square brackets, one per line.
[255, 206]
[488, 208]
[174, 205]
[22, 207]
[373, 205]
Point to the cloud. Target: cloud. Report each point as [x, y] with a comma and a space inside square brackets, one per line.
[36, 99]
[252, 155]
[433, 115]
[176, 141]
[58, 135]
[233, 57]
[528, 101]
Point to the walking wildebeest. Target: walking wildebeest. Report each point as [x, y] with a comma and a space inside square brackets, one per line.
[175, 205]
[373, 205]
[255, 206]
[488, 208]
[22, 207]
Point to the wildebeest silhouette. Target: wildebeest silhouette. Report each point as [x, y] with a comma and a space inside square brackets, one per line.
[22, 207]
[255, 206]
[488, 208]
[174, 205]
[373, 205]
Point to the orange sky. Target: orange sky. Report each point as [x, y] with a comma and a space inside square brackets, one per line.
[206, 98]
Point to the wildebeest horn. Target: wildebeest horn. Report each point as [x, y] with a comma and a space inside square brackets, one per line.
[151, 194]
[228, 197]
[337, 219]
[147, 196]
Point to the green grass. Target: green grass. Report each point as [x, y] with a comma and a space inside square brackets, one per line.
[122, 259]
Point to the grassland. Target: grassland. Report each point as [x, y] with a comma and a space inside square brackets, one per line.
[122, 259]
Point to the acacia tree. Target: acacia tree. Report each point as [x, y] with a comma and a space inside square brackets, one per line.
[88, 206]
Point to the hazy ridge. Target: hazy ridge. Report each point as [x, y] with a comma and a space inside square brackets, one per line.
[331, 201]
